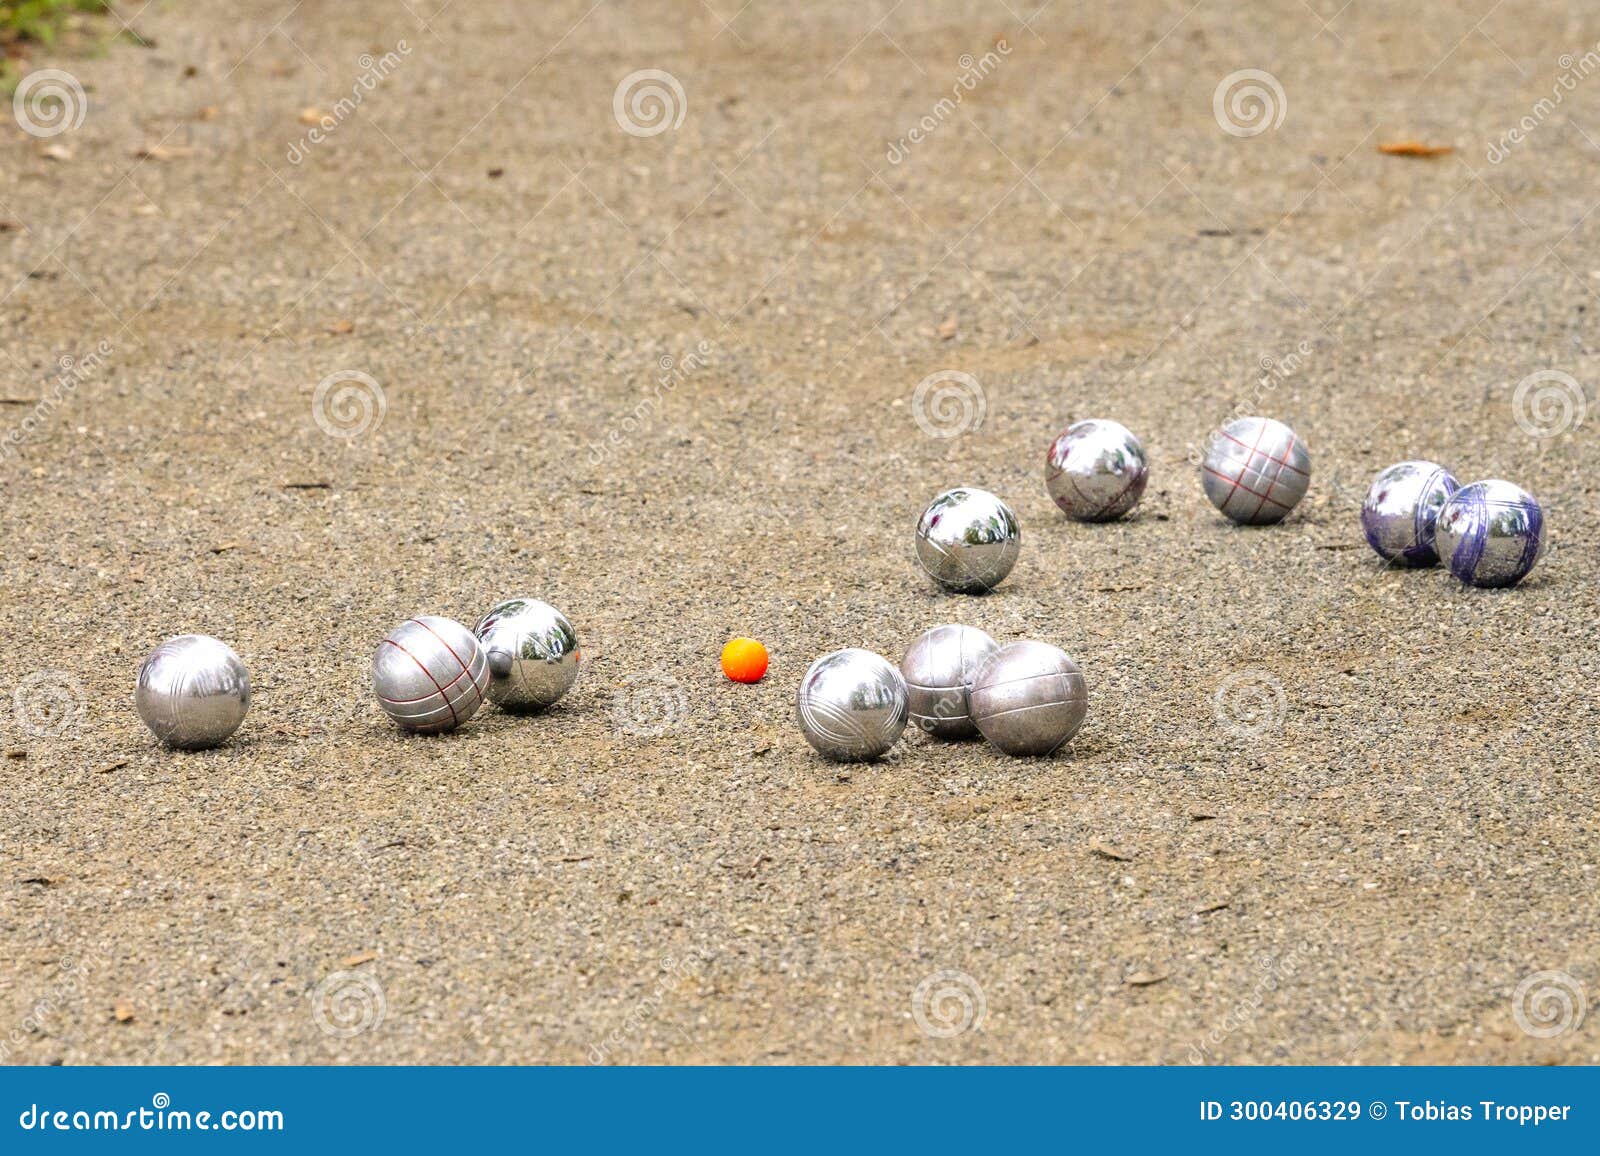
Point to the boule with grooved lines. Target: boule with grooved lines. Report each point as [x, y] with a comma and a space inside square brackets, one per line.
[1256, 470]
[192, 692]
[939, 670]
[1029, 698]
[1096, 471]
[430, 674]
[851, 705]
[968, 540]
[532, 652]
[1491, 533]
[1402, 508]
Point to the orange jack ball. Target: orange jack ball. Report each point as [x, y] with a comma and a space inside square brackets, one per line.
[744, 660]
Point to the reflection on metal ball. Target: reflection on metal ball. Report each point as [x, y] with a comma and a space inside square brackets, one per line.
[1096, 471]
[193, 692]
[968, 540]
[939, 669]
[1029, 698]
[430, 674]
[1256, 470]
[1491, 533]
[851, 705]
[532, 652]
[1402, 508]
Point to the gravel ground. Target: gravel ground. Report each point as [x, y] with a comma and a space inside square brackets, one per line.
[667, 380]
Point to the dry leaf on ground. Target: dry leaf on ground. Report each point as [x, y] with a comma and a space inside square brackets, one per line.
[1414, 148]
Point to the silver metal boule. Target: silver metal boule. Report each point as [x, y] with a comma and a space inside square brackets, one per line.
[1096, 471]
[851, 705]
[1029, 698]
[939, 669]
[968, 540]
[532, 652]
[1256, 470]
[430, 674]
[192, 692]
[1491, 533]
[1401, 509]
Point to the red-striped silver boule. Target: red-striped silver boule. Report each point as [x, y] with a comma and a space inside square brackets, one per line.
[1256, 470]
[851, 705]
[430, 674]
[1029, 698]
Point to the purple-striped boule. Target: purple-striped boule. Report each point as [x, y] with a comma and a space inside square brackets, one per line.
[1402, 508]
[1491, 533]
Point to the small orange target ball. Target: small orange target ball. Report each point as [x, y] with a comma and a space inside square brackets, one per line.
[744, 660]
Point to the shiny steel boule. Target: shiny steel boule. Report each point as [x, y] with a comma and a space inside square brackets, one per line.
[1096, 471]
[851, 705]
[532, 652]
[1256, 470]
[1402, 508]
[1491, 533]
[939, 670]
[968, 540]
[193, 692]
[1029, 698]
[430, 674]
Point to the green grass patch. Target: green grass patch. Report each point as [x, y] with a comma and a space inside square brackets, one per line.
[39, 20]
